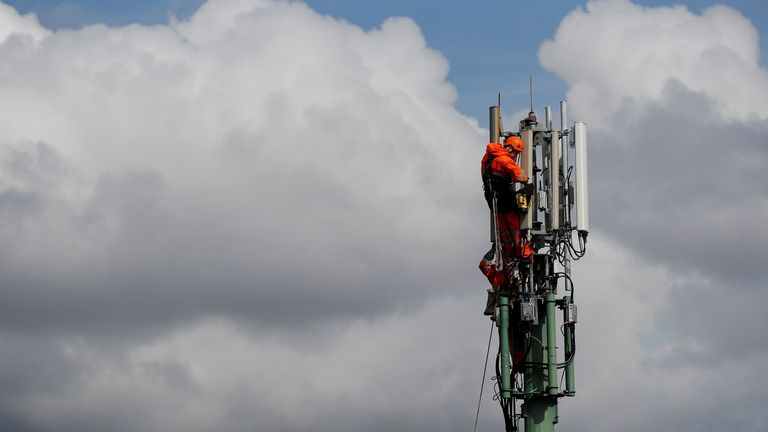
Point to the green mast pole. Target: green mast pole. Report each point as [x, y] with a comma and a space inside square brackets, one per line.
[506, 386]
[540, 408]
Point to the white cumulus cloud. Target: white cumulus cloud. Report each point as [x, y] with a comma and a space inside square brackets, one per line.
[629, 53]
[677, 103]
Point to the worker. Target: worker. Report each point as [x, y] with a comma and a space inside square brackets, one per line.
[500, 172]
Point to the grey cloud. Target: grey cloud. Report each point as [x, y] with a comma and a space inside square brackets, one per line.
[210, 375]
[677, 171]
[319, 204]
[686, 188]
[31, 171]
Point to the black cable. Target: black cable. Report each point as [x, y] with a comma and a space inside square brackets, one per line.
[482, 383]
[570, 282]
[498, 381]
[568, 361]
[576, 254]
[565, 245]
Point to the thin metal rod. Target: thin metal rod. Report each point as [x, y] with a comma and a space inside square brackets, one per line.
[530, 89]
[564, 172]
[552, 385]
[570, 379]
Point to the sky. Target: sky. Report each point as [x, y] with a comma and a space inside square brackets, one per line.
[247, 215]
[492, 47]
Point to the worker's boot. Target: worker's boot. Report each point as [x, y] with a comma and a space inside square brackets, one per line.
[490, 303]
[491, 253]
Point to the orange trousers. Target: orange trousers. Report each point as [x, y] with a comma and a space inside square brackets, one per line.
[512, 244]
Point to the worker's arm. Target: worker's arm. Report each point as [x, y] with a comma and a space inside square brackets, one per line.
[515, 172]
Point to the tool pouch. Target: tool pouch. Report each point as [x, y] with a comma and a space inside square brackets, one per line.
[523, 198]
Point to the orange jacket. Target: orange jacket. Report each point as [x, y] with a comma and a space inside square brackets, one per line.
[502, 163]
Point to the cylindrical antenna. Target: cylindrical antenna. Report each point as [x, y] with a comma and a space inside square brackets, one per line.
[554, 180]
[582, 200]
[493, 124]
[501, 122]
[526, 163]
[548, 118]
[562, 115]
[564, 147]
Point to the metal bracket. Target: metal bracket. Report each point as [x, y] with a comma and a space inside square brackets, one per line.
[529, 311]
[570, 314]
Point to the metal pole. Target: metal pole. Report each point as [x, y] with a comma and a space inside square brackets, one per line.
[540, 414]
[506, 386]
[533, 378]
[539, 409]
[564, 170]
[530, 89]
[494, 114]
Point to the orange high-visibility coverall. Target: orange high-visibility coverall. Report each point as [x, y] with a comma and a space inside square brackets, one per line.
[505, 171]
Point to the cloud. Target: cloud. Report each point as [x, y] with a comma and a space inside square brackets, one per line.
[676, 105]
[222, 165]
[13, 25]
[221, 374]
[219, 223]
[222, 169]
[633, 51]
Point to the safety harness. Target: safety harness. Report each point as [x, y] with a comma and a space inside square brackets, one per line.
[507, 199]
